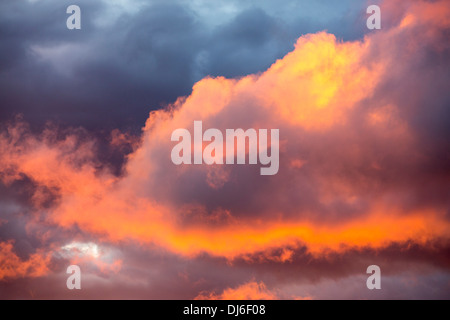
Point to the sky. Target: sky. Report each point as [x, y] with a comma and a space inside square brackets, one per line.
[86, 177]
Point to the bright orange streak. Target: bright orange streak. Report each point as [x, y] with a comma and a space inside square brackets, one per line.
[375, 230]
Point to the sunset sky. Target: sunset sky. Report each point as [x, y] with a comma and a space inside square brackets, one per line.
[86, 176]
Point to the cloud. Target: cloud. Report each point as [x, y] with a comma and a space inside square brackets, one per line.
[248, 291]
[11, 266]
[134, 56]
[363, 165]
[150, 203]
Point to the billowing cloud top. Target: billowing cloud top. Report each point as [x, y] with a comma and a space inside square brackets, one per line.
[364, 179]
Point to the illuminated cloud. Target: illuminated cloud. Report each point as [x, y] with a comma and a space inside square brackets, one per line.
[85, 249]
[11, 266]
[248, 291]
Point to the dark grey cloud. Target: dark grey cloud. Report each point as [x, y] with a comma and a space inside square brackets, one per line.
[409, 271]
[132, 58]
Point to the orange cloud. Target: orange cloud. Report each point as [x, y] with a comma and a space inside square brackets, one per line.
[314, 94]
[249, 291]
[12, 267]
[316, 84]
